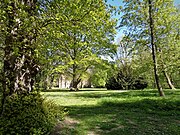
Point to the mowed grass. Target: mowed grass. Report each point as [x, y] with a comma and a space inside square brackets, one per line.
[102, 112]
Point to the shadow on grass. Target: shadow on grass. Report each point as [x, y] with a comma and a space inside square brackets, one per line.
[119, 94]
[81, 90]
[144, 117]
[98, 94]
[56, 90]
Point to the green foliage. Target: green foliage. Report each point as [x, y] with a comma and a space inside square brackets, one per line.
[113, 84]
[135, 19]
[125, 80]
[76, 45]
[140, 83]
[99, 74]
[29, 115]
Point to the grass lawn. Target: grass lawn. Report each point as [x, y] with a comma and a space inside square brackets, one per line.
[102, 112]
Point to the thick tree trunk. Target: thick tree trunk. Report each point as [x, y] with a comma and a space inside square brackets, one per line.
[74, 83]
[20, 66]
[151, 23]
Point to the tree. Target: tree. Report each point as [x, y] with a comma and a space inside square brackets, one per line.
[20, 64]
[19, 29]
[139, 59]
[166, 27]
[79, 45]
[154, 47]
[145, 24]
[22, 23]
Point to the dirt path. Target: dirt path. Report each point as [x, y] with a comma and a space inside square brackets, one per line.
[67, 124]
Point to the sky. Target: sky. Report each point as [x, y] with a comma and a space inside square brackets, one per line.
[118, 3]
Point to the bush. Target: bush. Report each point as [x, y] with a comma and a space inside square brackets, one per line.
[140, 83]
[113, 84]
[29, 115]
[99, 86]
[123, 81]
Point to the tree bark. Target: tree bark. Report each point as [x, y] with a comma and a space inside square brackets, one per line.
[168, 80]
[171, 86]
[74, 83]
[20, 66]
[75, 80]
[151, 23]
[51, 81]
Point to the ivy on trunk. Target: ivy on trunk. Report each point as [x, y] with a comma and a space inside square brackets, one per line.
[20, 63]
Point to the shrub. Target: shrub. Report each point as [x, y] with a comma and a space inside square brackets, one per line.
[139, 83]
[99, 86]
[123, 81]
[29, 115]
[113, 84]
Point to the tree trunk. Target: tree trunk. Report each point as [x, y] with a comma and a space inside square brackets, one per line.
[151, 23]
[168, 80]
[60, 81]
[51, 81]
[171, 86]
[74, 83]
[46, 80]
[20, 66]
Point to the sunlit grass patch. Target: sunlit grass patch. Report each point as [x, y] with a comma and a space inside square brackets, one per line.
[121, 112]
